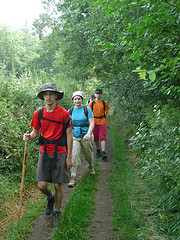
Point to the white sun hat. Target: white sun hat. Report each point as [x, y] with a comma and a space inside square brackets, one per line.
[77, 93]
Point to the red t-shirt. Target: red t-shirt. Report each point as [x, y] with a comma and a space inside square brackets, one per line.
[51, 130]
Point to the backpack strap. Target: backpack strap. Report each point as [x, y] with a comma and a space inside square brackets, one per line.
[71, 110]
[104, 108]
[93, 102]
[62, 141]
[40, 112]
[86, 114]
[67, 123]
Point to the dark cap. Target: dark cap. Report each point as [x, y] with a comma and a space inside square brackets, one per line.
[98, 91]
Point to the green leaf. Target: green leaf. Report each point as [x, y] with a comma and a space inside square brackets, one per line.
[152, 76]
[143, 74]
[153, 120]
[162, 66]
[100, 43]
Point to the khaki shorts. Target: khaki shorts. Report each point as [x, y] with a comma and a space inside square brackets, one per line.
[48, 173]
[80, 146]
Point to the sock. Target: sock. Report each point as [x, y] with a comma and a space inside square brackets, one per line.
[73, 174]
[90, 165]
[57, 210]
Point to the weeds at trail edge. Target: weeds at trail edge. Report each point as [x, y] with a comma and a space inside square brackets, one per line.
[129, 197]
[32, 212]
[78, 211]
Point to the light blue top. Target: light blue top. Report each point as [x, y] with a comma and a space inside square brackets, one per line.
[79, 118]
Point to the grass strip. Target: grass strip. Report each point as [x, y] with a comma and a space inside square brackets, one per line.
[78, 211]
[129, 196]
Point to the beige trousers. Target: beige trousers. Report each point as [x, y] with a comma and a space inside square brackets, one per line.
[80, 146]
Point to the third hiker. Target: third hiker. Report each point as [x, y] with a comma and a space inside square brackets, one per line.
[100, 110]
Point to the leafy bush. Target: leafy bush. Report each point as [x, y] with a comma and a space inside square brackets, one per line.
[157, 142]
[16, 108]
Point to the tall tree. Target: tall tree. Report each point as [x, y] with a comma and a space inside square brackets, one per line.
[17, 49]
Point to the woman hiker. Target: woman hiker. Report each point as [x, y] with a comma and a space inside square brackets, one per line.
[83, 139]
[54, 157]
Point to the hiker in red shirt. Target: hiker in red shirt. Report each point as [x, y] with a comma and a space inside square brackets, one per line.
[55, 155]
[100, 110]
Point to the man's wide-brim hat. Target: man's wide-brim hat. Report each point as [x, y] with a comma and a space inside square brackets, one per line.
[52, 88]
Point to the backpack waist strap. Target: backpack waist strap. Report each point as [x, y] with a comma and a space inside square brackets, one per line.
[100, 117]
[59, 142]
[85, 125]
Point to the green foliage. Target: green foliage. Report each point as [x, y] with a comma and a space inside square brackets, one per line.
[16, 108]
[144, 33]
[17, 50]
[40, 25]
[6, 186]
[157, 142]
[130, 197]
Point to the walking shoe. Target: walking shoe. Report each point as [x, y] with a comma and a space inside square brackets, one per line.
[104, 156]
[72, 182]
[91, 170]
[56, 217]
[50, 205]
[98, 153]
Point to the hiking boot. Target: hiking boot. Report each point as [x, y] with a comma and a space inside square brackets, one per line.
[104, 156]
[50, 206]
[98, 153]
[91, 170]
[72, 182]
[56, 217]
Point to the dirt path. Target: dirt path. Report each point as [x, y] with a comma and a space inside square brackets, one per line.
[100, 227]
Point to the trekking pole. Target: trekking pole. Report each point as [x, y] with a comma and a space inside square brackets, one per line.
[22, 180]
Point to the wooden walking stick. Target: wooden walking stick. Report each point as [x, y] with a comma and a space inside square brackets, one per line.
[22, 180]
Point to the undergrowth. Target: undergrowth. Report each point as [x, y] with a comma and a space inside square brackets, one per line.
[130, 197]
[32, 212]
[157, 145]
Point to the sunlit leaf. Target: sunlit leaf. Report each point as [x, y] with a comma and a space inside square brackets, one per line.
[143, 74]
[152, 76]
